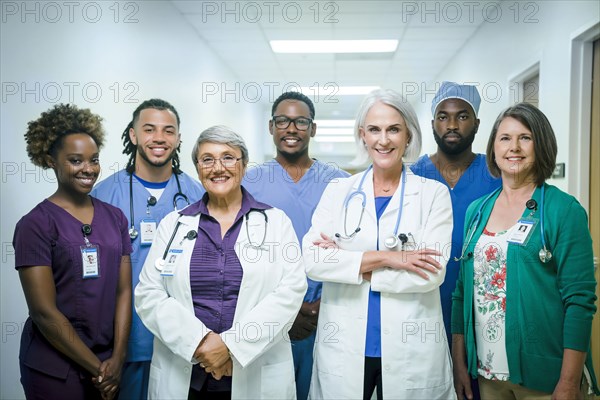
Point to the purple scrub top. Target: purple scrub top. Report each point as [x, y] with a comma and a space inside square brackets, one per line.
[49, 236]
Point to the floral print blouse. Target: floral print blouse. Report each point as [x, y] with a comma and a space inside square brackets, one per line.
[490, 304]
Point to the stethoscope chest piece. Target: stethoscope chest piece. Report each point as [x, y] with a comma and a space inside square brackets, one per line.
[391, 242]
[133, 233]
[545, 255]
[159, 263]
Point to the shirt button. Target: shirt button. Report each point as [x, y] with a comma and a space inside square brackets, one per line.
[387, 367]
[386, 331]
[221, 271]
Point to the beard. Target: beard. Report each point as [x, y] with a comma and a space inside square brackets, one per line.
[463, 144]
[141, 153]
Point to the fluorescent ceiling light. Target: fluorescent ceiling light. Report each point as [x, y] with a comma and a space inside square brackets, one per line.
[337, 139]
[335, 131]
[334, 90]
[334, 123]
[334, 46]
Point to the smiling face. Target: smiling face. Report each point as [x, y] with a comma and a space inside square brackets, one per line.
[514, 151]
[156, 136]
[291, 142]
[386, 136]
[76, 163]
[454, 126]
[220, 181]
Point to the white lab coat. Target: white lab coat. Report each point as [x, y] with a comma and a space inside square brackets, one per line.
[415, 355]
[271, 293]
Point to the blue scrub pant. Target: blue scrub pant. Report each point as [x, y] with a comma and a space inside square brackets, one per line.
[134, 380]
[302, 351]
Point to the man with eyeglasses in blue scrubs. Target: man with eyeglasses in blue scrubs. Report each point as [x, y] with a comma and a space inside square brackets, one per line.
[294, 183]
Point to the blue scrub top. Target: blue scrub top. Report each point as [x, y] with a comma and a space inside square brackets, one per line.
[115, 190]
[373, 341]
[271, 184]
[473, 184]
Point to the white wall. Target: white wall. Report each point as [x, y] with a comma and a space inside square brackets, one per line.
[157, 56]
[502, 50]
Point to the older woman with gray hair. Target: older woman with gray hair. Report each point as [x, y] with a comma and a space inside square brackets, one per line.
[376, 243]
[221, 286]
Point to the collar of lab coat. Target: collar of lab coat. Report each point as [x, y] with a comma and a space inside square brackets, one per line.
[412, 189]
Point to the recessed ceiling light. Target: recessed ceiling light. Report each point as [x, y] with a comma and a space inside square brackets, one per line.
[336, 139]
[334, 123]
[334, 46]
[332, 90]
[335, 131]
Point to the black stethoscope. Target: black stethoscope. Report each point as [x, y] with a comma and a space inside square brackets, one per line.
[159, 263]
[544, 254]
[133, 233]
[264, 237]
[391, 241]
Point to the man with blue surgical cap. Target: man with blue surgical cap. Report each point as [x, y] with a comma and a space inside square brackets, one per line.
[455, 123]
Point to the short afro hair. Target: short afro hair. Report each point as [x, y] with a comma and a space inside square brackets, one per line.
[294, 96]
[45, 135]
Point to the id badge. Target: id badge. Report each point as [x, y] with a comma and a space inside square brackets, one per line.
[147, 231]
[171, 261]
[90, 261]
[521, 232]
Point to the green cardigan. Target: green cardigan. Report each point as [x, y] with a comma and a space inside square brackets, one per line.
[549, 307]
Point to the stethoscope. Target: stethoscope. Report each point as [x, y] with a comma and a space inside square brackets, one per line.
[264, 237]
[544, 254]
[159, 263]
[133, 233]
[191, 235]
[391, 241]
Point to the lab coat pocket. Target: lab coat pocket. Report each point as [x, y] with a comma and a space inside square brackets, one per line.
[330, 348]
[154, 381]
[277, 381]
[423, 339]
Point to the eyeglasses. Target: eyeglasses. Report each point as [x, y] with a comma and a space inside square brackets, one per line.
[226, 161]
[301, 123]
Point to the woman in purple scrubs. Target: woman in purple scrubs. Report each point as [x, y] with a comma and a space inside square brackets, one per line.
[72, 254]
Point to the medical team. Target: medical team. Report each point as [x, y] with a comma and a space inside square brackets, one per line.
[200, 290]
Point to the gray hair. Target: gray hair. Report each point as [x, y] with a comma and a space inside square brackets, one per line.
[223, 135]
[396, 100]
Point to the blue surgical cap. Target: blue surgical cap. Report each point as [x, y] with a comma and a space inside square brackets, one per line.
[452, 90]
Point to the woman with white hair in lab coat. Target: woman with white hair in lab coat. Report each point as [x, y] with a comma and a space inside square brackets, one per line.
[376, 243]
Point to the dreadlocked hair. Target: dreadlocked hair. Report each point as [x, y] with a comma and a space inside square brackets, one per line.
[130, 149]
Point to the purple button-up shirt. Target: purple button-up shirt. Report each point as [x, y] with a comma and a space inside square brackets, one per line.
[216, 274]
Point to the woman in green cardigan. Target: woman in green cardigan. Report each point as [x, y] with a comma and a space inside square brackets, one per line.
[524, 302]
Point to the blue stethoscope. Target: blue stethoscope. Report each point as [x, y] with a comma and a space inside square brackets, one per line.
[151, 201]
[192, 234]
[544, 254]
[391, 241]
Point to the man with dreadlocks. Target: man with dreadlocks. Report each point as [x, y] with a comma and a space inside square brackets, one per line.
[148, 188]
